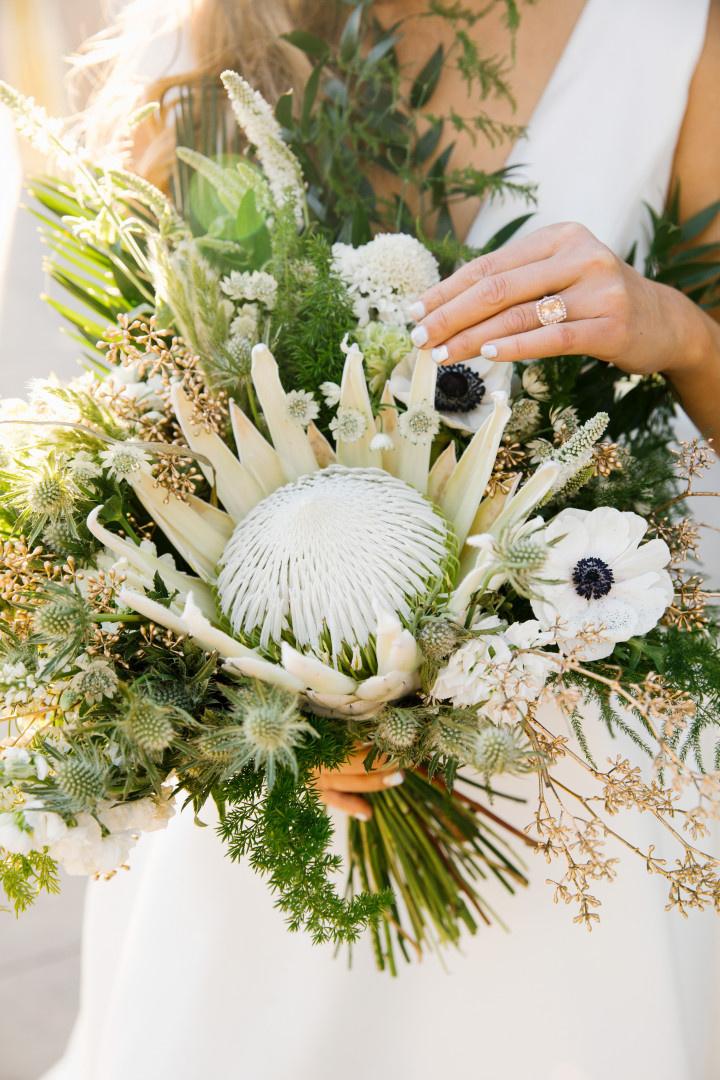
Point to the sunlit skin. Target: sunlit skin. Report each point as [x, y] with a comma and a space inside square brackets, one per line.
[613, 312]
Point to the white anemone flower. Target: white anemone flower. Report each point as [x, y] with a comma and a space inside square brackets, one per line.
[463, 392]
[323, 555]
[600, 585]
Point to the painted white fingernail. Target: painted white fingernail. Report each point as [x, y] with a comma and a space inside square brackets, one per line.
[417, 311]
[361, 817]
[489, 352]
[419, 336]
[440, 353]
[393, 779]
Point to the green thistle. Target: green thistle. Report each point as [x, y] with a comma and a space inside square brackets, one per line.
[62, 618]
[383, 347]
[149, 726]
[266, 726]
[439, 637]
[501, 749]
[452, 735]
[82, 780]
[397, 730]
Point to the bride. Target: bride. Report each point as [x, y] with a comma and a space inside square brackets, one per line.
[189, 972]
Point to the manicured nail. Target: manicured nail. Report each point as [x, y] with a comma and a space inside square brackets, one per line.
[419, 336]
[393, 779]
[489, 352]
[361, 817]
[417, 311]
[440, 353]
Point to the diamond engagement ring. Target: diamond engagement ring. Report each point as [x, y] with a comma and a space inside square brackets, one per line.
[551, 309]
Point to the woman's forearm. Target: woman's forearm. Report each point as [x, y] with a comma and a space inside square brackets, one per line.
[695, 370]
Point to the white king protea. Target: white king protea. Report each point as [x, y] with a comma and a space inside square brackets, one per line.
[323, 557]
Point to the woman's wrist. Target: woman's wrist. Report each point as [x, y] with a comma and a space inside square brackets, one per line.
[693, 339]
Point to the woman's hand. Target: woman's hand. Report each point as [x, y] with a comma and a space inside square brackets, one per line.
[343, 788]
[488, 307]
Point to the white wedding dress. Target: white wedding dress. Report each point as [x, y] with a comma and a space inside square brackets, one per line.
[189, 972]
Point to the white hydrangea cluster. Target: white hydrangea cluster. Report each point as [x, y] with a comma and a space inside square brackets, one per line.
[386, 276]
[493, 672]
[84, 849]
[279, 164]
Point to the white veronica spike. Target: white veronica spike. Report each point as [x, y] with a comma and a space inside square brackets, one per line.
[288, 436]
[530, 495]
[441, 472]
[197, 530]
[267, 672]
[237, 488]
[354, 395]
[314, 674]
[387, 422]
[468, 480]
[414, 457]
[322, 449]
[144, 562]
[255, 452]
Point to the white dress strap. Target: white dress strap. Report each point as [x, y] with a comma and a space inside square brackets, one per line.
[601, 141]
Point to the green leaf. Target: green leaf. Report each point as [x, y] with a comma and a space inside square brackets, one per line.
[283, 110]
[506, 232]
[309, 97]
[699, 222]
[427, 144]
[350, 37]
[381, 49]
[229, 185]
[312, 46]
[248, 220]
[426, 82]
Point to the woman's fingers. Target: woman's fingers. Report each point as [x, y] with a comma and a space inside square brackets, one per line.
[521, 319]
[367, 781]
[561, 339]
[349, 804]
[537, 246]
[488, 297]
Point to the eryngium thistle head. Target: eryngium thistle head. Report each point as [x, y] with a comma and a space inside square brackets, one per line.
[64, 616]
[353, 538]
[51, 496]
[453, 734]
[438, 637]
[267, 728]
[500, 749]
[60, 537]
[397, 730]
[149, 725]
[176, 692]
[82, 779]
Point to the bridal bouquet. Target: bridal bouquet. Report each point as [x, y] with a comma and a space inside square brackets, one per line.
[262, 530]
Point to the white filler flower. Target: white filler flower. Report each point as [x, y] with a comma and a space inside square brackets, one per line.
[602, 585]
[386, 276]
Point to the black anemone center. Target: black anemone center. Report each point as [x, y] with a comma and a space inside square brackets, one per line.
[458, 389]
[592, 578]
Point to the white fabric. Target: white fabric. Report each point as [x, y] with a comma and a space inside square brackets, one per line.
[189, 972]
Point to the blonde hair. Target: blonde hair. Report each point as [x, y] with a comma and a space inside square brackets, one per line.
[188, 42]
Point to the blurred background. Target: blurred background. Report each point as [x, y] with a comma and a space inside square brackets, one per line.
[40, 953]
